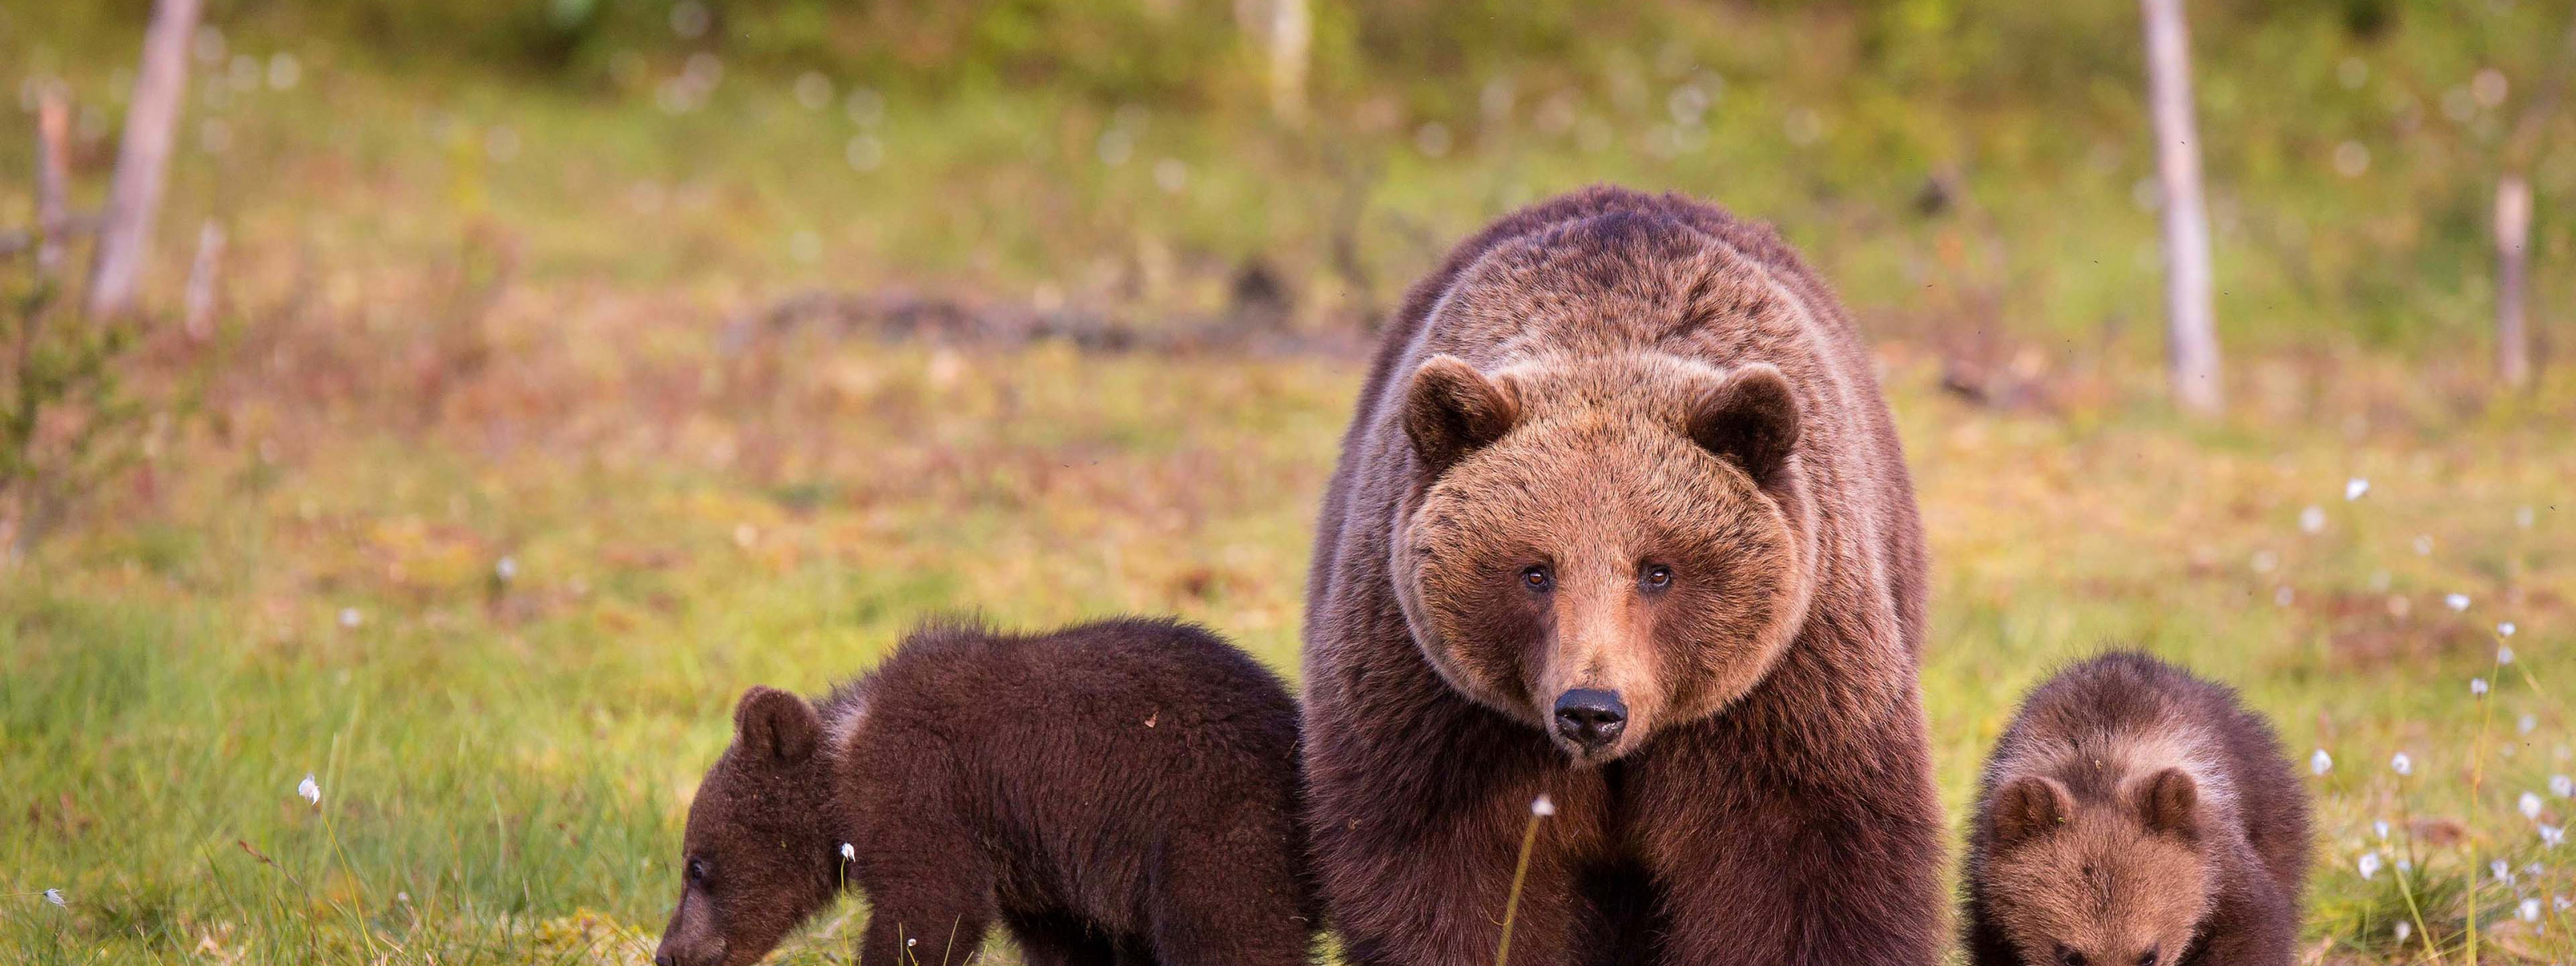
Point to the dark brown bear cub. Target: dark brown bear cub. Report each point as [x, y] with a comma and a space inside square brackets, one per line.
[2134, 815]
[1121, 792]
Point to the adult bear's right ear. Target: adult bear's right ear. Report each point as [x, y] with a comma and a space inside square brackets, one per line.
[2027, 808]
[777, 726]
[1451, 410]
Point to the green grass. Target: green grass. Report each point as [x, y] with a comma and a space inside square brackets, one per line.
[504, 764]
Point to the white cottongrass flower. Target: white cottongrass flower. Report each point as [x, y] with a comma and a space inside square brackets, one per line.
[2312, 519]
[2456, 601]
[2369, 865]
[2402, 764]
[2405, 867]
[2405, 930]
[2525, 723]
[507, 569]
[2562, 786]
[2529, 803]
[55, 896]
[912, 942]
[350, 618]
[2478, 686]
[2504, 655]
[2282, 596]
[309, 790]
[2355, 488]
[849, 853]
[1542, 806]
[2503, 871]
[2505, 629]
[2529, 910]
[2381, 828]
[2321, 762]
[2553, 836]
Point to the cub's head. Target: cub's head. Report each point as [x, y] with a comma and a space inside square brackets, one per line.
[1603, 547]
[761, 853]
[2097, 883]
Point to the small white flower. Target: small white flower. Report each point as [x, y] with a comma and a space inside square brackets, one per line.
[2505, 629]
[2503, 872]
[2560, 902]
[2529, 910]
[2405, 867]
[2504, 655]
[2321, 762]
[2562, 786]
[2525, 723]
[2282, 596]
[911, 942]
[2423, 545]
[2405, 930]
[2402, 764]
[507, 569]
[2478, 686]
[350, 618]
[2380, 827]
[2355, 488]
[2553, 836]
[849, 853]
[55, 896]
[2312, 520]
[402, 897]
[2265, 561]
[2456, 601]
[2369, 864]
[2529, 803]
[309, 790]
[1542, 806]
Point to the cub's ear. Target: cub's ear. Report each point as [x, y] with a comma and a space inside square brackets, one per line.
[2168, 802]
[777, 725]
[1749, 417]
[2027, 808]
[1451, 410]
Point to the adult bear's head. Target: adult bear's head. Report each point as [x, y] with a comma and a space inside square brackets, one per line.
[1605, 545]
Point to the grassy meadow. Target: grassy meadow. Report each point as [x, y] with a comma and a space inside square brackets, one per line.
[509, 463]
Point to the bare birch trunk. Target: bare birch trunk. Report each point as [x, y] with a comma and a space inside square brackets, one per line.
[142, 160]
[1292, 36]
[2513, 236]
[197, 317]
[2191, 331]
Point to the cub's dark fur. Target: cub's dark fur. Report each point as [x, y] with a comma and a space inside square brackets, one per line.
[1120, 792]
[2134, 815]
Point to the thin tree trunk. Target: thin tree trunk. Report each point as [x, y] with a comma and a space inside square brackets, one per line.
[1292, 37]
[142, 159]
[53, 178]
[2191, 331]
[2513, 236]
[197, 317]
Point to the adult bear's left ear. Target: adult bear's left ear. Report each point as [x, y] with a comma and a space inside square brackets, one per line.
[1749, 417]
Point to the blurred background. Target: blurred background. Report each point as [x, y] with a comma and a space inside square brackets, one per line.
[497, 387]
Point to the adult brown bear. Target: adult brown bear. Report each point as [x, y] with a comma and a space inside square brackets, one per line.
[1622, 520]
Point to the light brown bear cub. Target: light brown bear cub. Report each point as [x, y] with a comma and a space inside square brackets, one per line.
[1115, 793]
[2134, 815]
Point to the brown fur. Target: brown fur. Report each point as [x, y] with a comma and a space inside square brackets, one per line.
[2134, 815]
[1661, 409]
[1122, 792]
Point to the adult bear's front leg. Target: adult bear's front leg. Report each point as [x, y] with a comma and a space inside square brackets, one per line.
[1415, 846]
[1760, 865]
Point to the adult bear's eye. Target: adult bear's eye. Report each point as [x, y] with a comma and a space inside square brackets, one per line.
[1655, 576]
[1537, 577]
[2148, 958]
[2069, 957]
[697, 871]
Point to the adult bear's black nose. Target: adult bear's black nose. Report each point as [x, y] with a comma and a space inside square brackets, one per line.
[1590, 718]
